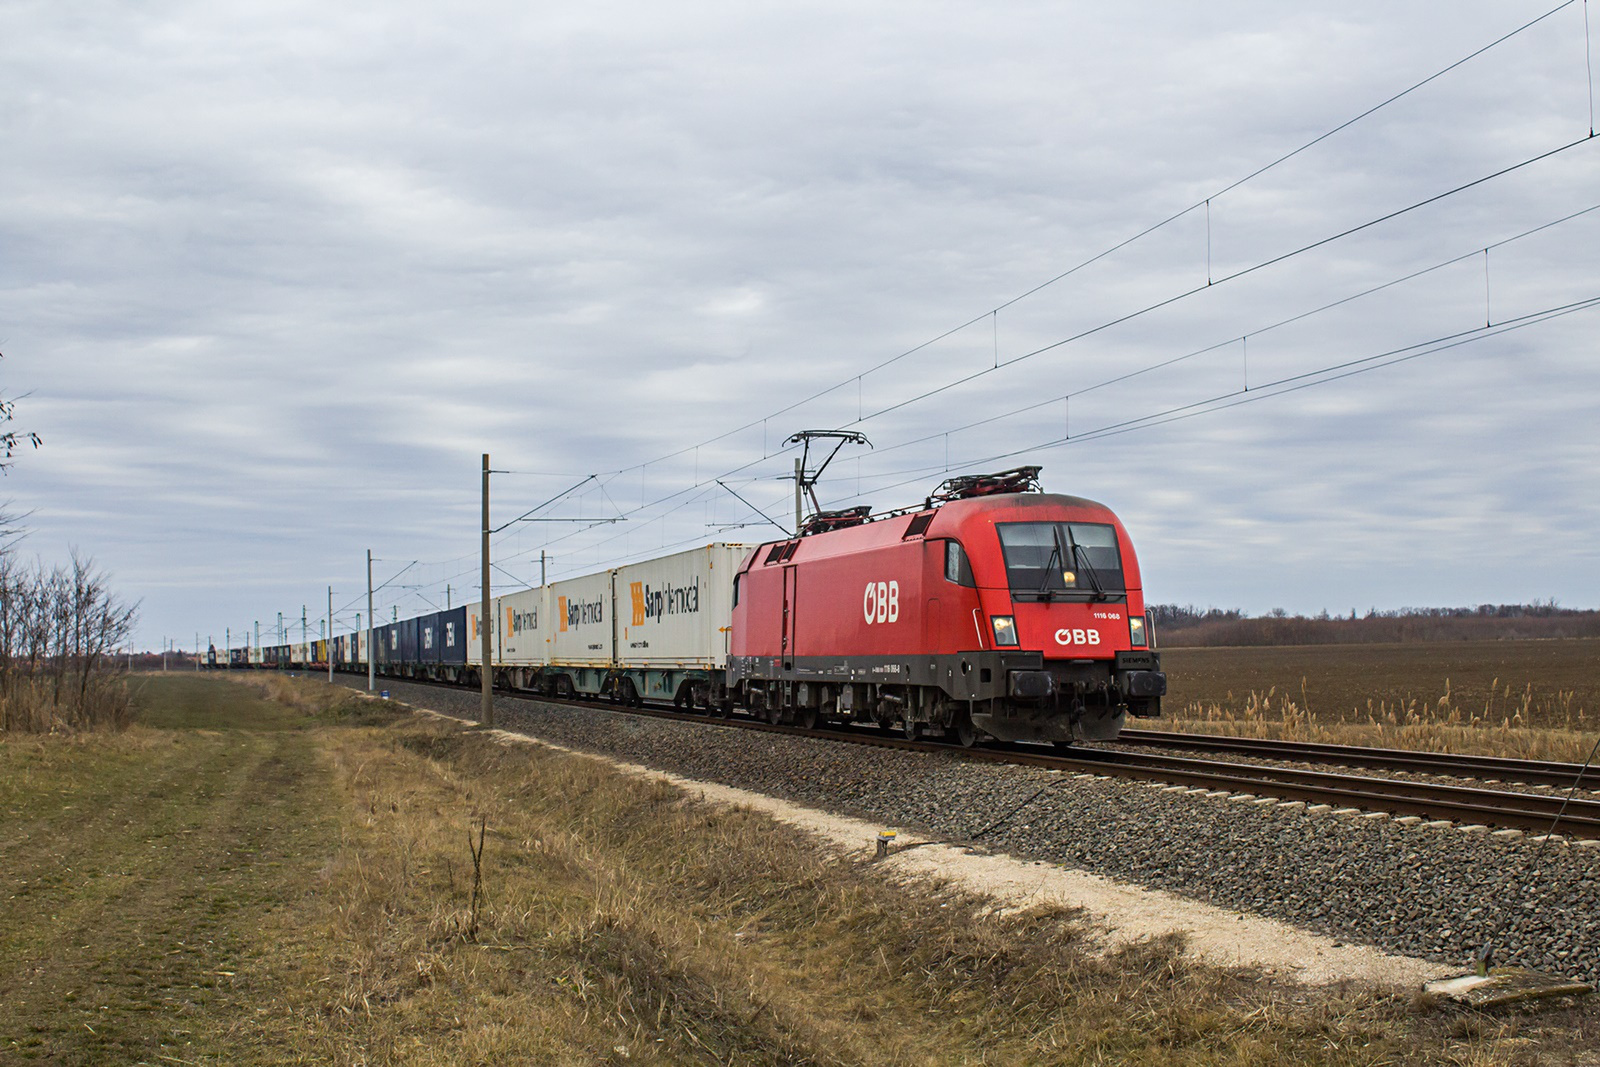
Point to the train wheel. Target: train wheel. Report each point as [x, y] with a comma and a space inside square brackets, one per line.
[912, 730]
[774, 714]
[964, 733]
[629, 694]
[806, 718]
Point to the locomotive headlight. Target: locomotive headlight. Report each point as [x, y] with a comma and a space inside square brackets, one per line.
[1136, 630]
[1005, 630]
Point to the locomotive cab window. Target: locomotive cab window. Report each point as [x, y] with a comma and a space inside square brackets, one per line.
[956, 566]
[738, 580]
[1069, 559]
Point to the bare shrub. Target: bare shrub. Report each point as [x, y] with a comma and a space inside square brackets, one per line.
[59, 628]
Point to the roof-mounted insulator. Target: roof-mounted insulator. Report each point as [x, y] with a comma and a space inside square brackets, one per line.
[1017, 480]
[823, 521]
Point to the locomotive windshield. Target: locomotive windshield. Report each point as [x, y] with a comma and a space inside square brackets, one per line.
[1049, 559]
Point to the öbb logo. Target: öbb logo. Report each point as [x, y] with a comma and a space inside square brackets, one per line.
[881, 602]
[1077, 637]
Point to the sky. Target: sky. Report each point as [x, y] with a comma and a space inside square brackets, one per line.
[274, 276]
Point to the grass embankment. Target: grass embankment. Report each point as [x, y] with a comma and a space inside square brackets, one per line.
[1531, 699]
[236, 881]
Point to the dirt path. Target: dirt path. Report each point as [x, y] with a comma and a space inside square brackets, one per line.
[130, 894]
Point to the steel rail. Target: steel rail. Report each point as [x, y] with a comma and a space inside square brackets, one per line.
[1471, 804]
[1530, 772]
[1461, 804]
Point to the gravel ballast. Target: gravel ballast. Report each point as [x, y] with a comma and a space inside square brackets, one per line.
[1435, 892]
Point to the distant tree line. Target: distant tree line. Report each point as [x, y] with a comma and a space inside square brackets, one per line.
[1187, 625]
[60, 627]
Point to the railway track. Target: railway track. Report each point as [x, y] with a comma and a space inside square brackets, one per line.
[1493, 768]
[1467, 805]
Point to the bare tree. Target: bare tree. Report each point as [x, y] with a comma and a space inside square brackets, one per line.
[102, 622]
[58, 627]
[12, 439]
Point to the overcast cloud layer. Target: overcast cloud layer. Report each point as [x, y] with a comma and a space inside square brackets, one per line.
[272, 276]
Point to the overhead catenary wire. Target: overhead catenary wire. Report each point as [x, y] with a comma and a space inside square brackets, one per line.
[1262, 391]
[356, 600]
[647, 504]
[769, 520]
[1132, 315]
[1256, 332]
[1271, 390]
[1241, 273]
[1123, 243]
[547, 503]
[702, 487]
[1217, 403]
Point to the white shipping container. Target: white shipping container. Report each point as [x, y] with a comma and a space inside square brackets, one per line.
[580, 627]
[675, 611]
[475, 631]
[525, 626]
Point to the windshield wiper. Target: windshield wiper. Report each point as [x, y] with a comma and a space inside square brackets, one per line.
[1081, 558]
[1044, 589]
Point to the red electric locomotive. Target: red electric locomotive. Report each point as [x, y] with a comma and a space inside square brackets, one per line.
[994, 610]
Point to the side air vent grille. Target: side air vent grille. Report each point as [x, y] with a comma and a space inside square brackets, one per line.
[781, 552]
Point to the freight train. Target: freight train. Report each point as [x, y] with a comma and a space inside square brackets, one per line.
[994, 610]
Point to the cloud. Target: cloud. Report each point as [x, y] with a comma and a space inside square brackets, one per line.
[276, 275]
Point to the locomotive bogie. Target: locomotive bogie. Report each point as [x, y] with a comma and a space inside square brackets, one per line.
[570, 681]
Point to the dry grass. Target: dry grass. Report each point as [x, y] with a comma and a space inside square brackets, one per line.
[625, 921]
[138, 867]
[1528, 699]
[307, 694]
[42, 704]
[251, 884]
